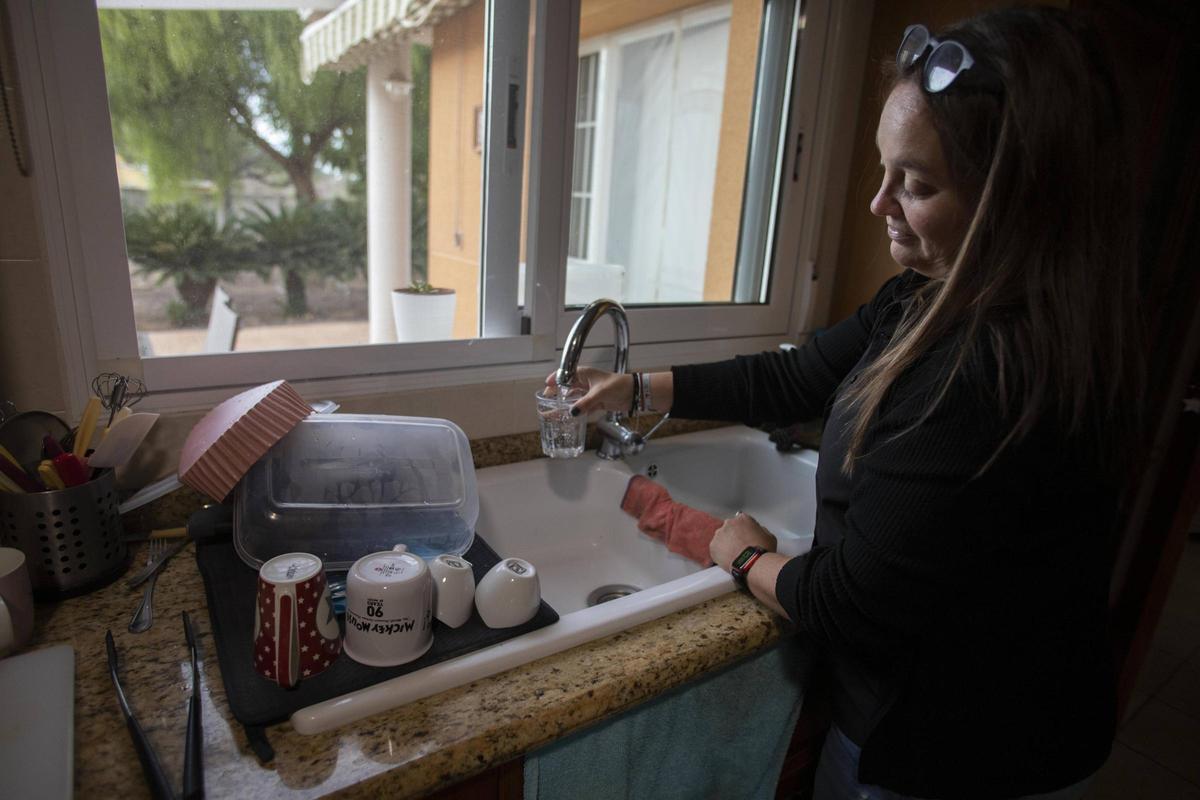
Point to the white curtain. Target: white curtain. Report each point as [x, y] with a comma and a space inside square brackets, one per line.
[666, 130]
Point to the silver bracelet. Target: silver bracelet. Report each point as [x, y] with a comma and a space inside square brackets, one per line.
[647, 403]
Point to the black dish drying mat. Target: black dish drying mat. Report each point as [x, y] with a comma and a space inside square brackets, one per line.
[256, 701]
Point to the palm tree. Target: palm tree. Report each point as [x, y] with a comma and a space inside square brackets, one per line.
[318, 239]
[184, 244]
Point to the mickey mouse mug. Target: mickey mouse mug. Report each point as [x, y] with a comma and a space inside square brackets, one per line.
[389, 608]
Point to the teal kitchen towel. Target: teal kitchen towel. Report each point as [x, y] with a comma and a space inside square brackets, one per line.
[723, 736]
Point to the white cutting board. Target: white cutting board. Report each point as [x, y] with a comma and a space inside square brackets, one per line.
[37, 724]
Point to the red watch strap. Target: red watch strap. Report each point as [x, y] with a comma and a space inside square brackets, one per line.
[750, 563]
[739, 571]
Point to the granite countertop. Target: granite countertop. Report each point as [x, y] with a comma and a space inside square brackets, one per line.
[408, 751]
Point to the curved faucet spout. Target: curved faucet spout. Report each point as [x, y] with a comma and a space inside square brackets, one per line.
[616, 439]
[573, 347]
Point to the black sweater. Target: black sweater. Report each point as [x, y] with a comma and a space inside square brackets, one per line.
[963, 615]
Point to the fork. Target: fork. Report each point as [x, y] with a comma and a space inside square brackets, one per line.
[143, 616]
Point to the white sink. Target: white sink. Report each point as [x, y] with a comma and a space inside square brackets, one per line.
[573, 531]
[564, 516]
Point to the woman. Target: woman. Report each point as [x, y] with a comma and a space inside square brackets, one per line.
[977, 413]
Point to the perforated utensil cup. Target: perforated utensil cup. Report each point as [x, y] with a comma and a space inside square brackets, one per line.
[71, 537]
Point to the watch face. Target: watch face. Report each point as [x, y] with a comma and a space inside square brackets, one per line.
[743, 557]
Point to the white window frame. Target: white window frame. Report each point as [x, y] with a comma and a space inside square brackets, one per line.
[775, 317]
[58, 57]
[590, 243]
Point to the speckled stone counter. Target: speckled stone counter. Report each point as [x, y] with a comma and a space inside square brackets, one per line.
[408, 751]
[404, 752]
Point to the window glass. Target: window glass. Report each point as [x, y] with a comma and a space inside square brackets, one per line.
[582, 190]
[282, 172]
[664, 114]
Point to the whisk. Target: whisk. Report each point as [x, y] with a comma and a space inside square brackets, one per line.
[117, 391]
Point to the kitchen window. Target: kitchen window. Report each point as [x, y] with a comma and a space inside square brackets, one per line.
[649, 133]
[535, 155]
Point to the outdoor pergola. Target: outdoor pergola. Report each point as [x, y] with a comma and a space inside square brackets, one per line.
[378, 34]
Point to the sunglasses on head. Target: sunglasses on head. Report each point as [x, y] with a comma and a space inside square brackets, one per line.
[947, 59]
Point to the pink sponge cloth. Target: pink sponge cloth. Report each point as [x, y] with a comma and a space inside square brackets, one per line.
[681, 528]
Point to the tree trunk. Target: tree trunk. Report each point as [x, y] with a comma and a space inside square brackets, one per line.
[297, 293]
[195, 294]
[301, 175]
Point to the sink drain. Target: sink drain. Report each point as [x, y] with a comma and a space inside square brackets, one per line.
[613, 591]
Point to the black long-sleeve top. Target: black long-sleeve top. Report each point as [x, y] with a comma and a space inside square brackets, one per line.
[962, 614]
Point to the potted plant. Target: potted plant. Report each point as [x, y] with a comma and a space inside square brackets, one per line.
[423, 313]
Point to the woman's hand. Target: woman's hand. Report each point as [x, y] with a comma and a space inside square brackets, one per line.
[606, 391]
[738, 533]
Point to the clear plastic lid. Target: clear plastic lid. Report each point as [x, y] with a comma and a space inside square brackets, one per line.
[342, 486]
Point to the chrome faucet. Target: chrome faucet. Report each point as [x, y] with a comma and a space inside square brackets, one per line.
[616, 440]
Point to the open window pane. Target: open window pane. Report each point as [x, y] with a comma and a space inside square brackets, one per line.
[296, 167]
[665, 108]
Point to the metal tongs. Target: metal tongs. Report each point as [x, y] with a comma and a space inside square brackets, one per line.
[193, 753]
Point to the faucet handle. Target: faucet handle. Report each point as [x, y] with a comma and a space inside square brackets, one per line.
[618, 441]
[656, 426]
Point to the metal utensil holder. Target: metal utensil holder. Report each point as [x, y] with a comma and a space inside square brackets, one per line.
[72, 538]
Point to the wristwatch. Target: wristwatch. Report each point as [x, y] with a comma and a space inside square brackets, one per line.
[742, 564]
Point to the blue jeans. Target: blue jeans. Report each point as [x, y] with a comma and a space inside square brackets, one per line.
[837, 776]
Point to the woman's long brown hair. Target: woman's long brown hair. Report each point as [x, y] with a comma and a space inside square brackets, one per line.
[1045, 276]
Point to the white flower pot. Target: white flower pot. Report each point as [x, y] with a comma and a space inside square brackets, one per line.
[423, 316]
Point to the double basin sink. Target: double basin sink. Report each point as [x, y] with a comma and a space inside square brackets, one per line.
[598, 571]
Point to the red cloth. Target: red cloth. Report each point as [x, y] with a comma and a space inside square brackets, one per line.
[682, 528]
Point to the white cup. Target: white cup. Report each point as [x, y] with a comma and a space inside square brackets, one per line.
[453, 589]
[389, 608]
[509, 594]
[16, 601]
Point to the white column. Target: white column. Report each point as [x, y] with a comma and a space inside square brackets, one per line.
[389, 186]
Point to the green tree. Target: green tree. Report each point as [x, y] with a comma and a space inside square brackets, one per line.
[421, 56]
[218, 95]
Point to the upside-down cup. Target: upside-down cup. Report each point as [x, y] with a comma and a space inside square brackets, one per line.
[389, 608]
[509, 594]
[295, 631]
[453, 589]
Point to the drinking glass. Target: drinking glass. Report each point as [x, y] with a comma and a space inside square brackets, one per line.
[562, 435]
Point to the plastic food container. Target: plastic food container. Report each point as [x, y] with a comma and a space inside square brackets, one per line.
[341, 486]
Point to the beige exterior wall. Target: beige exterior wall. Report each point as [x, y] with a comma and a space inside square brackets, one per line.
[598, 17]
[455, 166]
[736, 109]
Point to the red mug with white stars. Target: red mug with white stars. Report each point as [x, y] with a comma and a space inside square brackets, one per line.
[295, 631]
